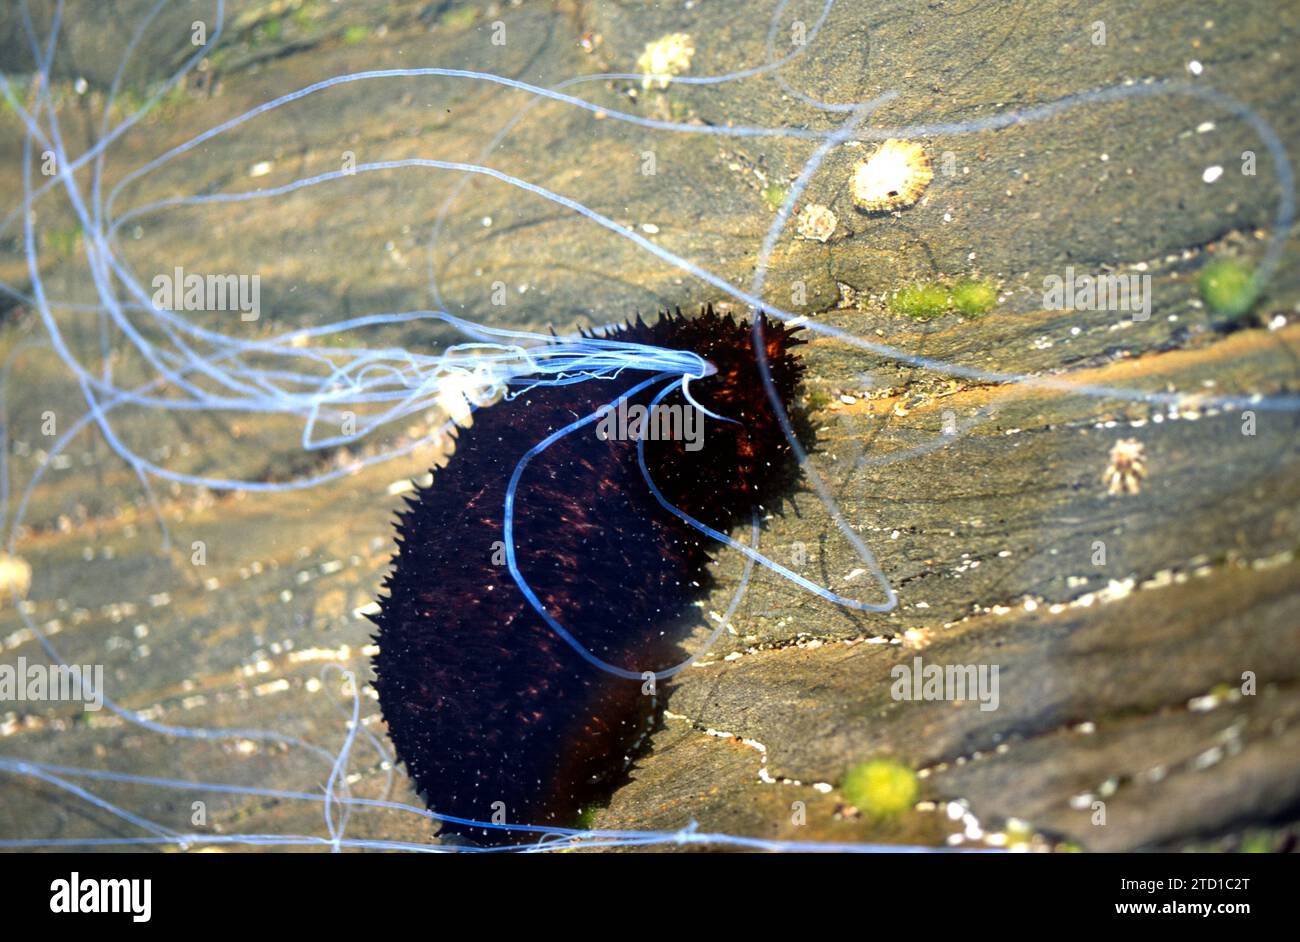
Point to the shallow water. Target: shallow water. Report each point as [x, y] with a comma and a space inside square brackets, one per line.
[1120, 681]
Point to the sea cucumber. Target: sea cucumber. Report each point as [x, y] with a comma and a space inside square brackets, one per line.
[495, 716]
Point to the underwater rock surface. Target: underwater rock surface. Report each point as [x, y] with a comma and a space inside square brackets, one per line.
[1119, 681]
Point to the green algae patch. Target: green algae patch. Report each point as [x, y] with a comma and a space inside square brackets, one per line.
[1227, 287]
[920, 302]
[818, 399]
[973, 297]
[882, 788]
[774, 195]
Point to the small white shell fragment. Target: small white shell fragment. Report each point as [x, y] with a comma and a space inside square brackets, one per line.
[894, 177]
[1212, 173]
[370, 608]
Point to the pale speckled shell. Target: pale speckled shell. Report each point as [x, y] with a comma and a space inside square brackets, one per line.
[894, 177]
[816, 222]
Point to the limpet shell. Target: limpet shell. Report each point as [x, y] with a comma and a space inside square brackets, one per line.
[894, 177]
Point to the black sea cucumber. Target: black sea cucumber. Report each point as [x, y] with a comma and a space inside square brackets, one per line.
[495, 716]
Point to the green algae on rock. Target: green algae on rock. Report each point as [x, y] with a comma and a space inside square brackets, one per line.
[881, 788]
[1227, 287]
[973, 297]
[920, 302]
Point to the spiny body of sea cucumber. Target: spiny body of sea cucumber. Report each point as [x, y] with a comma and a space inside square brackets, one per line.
[495, 716]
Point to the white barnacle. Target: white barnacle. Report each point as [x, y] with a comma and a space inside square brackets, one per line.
[1127, 468]
[663, 58]
[15, 576]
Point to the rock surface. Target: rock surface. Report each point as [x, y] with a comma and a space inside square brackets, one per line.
[1120, 669]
